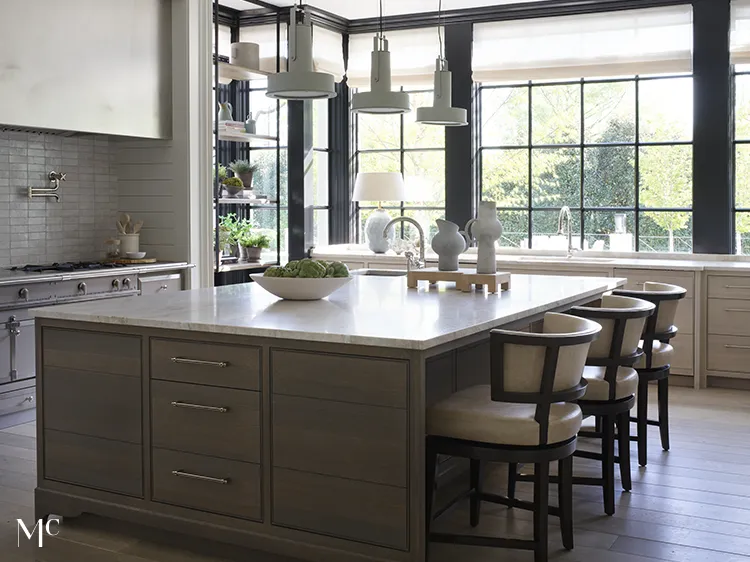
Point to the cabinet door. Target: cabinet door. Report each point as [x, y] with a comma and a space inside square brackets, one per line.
[25, 365]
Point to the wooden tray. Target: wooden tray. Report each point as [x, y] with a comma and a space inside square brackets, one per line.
[127, 261]
[464, 279]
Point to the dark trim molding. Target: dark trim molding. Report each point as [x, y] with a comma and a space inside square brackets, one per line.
[713, 197]
[339, 173]
[459, 151]
[299, 128]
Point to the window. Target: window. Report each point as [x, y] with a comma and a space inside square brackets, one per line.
[617, 151]
[740, 56]
[319, 172]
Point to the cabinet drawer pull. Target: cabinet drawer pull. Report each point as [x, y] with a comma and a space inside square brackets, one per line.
[730, 346]
[183, 474]
[219, 409]
[737, 286]
[186, 361]
[737, 310]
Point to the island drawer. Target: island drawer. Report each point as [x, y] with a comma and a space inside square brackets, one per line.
[352, 441]
[637, 277]
[346, 378]
[729, 317]
[96, 404]
[206, 483]
[728, 287]
[92, 351]
[338, 507]
[92, 462]
[218, 422]
[160, 284]
[232, 366]
[728, 354]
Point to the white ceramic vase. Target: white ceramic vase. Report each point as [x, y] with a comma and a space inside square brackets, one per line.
[448, 243]
[486, 229]
[374, 227]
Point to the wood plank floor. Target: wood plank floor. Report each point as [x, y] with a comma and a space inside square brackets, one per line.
[691, 504]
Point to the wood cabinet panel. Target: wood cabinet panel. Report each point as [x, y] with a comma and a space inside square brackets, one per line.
[232, 366]
[206, 483]
[637, 277]
[342, 508]
[353, 441]
[92, 351]
[93, 462]
[729, 317]
[728, 287]
[521, 270]
[684, 318]
[683, 353]
[161, 284]
[728, 353]
[96, 404]
[348, 378]
[473, 365]
[189, 417]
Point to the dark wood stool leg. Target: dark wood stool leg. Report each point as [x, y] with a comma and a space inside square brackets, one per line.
[430, 469]
[565, 496]
[642, 423]
[608, 463]
[476, 485]
[663, 395]
[541, 511]
[598, 424]
[623, 436]
[512, 477]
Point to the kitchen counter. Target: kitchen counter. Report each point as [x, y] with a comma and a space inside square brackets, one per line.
[295, 428]
[584, 260]
[377, 311]
[8, 277]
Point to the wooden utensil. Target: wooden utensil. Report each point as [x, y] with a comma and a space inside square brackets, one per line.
[137, 227]
[125, 220]
[120, 228]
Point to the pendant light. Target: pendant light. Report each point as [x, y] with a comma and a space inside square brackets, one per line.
[301, 82]
[380, 98]
[441, 112]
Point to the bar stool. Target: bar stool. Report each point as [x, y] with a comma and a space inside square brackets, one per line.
[524, 415]
[656, 361]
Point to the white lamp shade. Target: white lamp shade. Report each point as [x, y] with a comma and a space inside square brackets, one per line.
[379, 186]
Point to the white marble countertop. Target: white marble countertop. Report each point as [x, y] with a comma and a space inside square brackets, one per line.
[587, 261]
[376, 311]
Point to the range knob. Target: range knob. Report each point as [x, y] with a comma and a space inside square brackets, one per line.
[116, 284]
[126, 283]
[24, 294]
[82, 287]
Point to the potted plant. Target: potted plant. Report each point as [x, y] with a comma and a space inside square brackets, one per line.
[233, 186]
[252, 244]
[229, 228]
[244, 170]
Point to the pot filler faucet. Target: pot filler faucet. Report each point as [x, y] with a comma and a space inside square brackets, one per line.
[411, 263]
[564, 219]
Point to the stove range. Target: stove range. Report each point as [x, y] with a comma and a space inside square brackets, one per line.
[66, 266]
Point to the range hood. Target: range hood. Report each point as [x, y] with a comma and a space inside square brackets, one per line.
[86, 66]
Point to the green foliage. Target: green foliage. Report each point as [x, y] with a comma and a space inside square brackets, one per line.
[309, 269]
[274, 271]
[223, 173]
[232, 230]
[233, 182]
[255, 240]
[242, 167]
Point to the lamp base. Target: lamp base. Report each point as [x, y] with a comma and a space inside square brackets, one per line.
[374, 227]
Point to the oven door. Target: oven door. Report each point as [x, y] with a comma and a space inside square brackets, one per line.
[17, 349]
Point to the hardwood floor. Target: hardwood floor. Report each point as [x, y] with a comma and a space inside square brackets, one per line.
[691, 504]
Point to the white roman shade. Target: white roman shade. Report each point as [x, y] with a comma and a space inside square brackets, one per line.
[413, 54]
[265, 37]
[646, 41]
[328, 52]
[740, 34]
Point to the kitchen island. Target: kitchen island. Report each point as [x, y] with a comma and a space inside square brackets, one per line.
[291, 427]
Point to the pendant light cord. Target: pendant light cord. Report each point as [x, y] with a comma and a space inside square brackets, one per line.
[440, 35]
[381, 19]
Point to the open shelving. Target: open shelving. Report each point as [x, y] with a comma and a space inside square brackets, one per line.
[229, 72]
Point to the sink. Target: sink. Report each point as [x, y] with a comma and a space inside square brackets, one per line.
[380, 272]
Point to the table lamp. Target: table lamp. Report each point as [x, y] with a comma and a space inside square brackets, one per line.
[378, 186]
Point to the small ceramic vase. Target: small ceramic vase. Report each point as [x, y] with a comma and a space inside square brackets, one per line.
[448, 243]
[486, 230]
[250, 125]
[225, 111]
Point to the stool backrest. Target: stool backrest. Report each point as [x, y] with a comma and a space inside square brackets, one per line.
[541, 368]
[660, 327]
[622, 320]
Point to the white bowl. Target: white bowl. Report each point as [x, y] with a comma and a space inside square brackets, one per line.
[135, 255]
[300, 289]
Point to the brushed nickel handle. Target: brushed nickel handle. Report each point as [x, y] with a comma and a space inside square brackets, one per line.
[731, 346]
[183, 474]
[219, 409]
[186, 361]
[737, 310]
[163, 288]
[737, 286]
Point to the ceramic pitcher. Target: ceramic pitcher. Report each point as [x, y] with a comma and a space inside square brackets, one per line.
[448, 243]
[225, 111]
[486, 229]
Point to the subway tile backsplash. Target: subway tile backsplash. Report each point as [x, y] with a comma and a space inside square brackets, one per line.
[41, 230]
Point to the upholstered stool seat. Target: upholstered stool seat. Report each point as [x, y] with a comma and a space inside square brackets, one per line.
[472, 415]
[597, 388]
[661, 356]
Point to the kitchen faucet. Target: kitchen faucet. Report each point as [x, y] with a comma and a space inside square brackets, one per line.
[411, 263]
[566, 218]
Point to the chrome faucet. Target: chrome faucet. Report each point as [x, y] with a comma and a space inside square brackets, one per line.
[566, 218]
[411, 263]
